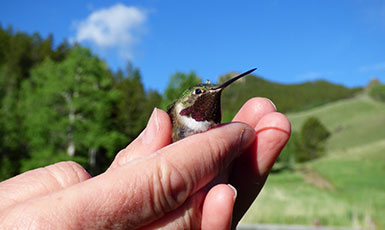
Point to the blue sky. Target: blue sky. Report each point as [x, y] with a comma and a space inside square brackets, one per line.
[288, 41]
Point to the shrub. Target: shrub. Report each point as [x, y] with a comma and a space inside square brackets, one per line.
[377, 92]
[311, 143]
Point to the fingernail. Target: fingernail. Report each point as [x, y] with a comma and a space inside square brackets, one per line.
[152, 128]
[235, 191]
[275, 107]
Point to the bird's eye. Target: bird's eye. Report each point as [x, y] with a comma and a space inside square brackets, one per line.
[198, 91]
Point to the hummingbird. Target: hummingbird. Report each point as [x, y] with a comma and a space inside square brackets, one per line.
[198, 109]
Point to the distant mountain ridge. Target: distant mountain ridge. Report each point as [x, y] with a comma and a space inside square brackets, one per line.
[287, 97]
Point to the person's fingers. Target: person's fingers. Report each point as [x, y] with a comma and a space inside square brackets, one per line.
[250, 170]
[212, 210]
[155, 136]
[40, 181]
[152, 185]
[253, 110]
[186, 216]
[250, 113]
[220, 199]
[273, 132]
[218, 207]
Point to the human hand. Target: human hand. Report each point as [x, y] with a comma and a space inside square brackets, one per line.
[152, 184]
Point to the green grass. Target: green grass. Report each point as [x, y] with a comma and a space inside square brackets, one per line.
[354, 165]
[353, 122]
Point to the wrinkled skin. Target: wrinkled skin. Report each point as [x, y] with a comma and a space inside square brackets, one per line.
[155, 184]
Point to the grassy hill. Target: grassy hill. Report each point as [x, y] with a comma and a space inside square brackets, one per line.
[353, 122]
[345, 188]
[287, 97]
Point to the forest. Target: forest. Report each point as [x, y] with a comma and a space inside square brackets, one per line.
[62, 102]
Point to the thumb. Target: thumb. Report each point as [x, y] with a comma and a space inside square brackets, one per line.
[146, 189]
[155, 136]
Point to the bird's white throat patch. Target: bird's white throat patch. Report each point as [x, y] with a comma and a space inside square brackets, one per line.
[191, 123]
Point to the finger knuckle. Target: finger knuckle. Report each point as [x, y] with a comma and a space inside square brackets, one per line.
[67, 172]
[170, 187]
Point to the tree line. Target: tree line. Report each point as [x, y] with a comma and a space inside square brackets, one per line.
[64, 103]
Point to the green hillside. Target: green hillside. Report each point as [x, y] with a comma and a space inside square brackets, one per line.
[353, 122]
[287, 97]
[345, 188]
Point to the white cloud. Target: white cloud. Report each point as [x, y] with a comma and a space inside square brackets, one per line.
[118, 26]
[310, 76]
[373, 67]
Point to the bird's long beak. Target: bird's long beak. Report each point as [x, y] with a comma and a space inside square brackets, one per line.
[228, 82]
